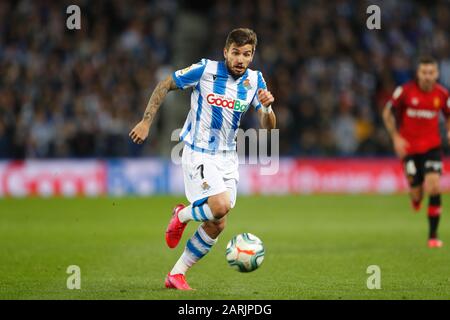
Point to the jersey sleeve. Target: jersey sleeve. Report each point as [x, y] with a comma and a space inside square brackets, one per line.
[396, 100]
[189, 76]
[261, 85]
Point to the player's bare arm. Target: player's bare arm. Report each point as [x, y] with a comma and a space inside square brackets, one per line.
[400, 144]
[267, 117]
[141, 130]
[447, 123]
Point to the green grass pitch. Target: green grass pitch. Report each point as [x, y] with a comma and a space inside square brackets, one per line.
[317, 247]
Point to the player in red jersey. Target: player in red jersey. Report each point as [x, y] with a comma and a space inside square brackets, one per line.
[411, 117]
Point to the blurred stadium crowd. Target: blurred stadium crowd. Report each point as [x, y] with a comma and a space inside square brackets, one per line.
[77, 93]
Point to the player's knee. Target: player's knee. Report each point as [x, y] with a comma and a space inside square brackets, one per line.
[433, 187]
[220, 208]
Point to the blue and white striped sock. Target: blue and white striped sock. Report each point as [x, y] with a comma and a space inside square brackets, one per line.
[197, 212]
[196, 248]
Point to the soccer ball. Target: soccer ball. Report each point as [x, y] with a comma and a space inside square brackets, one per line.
[245, 252]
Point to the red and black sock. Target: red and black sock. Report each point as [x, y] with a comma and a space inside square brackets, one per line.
[434, 213]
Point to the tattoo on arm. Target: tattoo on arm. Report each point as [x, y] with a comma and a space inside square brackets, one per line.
[157, 98]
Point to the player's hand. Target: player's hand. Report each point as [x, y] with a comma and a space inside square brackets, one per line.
[265, 97]
[400, 145]
[139, 132]
[448, 136]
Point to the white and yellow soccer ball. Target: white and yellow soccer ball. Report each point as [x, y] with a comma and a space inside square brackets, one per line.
[245, 252]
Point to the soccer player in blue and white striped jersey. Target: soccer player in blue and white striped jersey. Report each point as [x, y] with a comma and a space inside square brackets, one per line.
[222, 91]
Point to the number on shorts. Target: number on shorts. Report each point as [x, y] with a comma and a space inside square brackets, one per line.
[411, 168]
[201, 168]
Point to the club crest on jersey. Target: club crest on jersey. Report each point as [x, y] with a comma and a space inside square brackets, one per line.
[227, 103]
[414, 101]
[205, 186]
[436, 102]
[247, 84]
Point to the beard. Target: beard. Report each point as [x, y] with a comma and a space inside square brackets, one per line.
[236, 73]
[426, 85]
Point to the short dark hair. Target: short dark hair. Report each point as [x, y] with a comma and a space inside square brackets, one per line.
[241, 37]
[426, 60]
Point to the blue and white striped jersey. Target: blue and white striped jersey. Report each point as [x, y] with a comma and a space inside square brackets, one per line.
[218, 101]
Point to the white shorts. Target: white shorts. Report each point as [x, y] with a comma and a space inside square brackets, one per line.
[206, 174]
